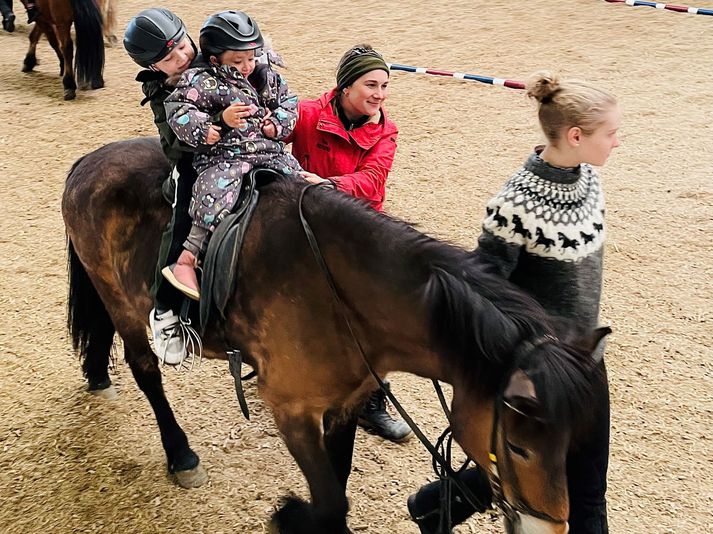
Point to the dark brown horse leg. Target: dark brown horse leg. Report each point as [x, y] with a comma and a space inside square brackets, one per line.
[31, 57]
[91, 327]
[183, 463]
[67, 47]
[339, 436]
[327, 512]
[54, 43]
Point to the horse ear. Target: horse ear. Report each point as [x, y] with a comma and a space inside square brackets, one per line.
[521, 386]
[594, 342]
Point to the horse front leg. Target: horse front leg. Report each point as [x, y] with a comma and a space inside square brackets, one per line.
[339, 433]
[183, 463]
[30, 60]
[327, 513]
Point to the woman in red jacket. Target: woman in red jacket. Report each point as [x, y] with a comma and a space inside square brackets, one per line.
[345, 137]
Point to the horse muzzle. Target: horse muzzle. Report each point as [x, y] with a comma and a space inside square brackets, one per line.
[527, 524]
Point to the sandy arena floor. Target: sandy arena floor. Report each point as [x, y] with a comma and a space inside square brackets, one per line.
[72, 463]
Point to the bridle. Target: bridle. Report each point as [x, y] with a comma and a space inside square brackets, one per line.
[513, 510]
[510, 510]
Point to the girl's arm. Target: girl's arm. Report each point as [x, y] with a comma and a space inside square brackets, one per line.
[282, 104]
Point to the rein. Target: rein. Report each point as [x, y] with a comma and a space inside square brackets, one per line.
[441, 464]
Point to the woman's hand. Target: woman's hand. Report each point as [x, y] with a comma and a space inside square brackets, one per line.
[315, 178]
[213, 135]
[234, 115]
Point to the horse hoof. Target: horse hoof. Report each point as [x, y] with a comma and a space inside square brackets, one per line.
[191, 478]
[97, 84]
[29, 63]
[69, 94]
[108, 393]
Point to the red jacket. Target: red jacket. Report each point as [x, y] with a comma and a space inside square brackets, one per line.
[357, 161]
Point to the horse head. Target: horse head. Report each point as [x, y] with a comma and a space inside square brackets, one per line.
[537, 415]
[523, 384]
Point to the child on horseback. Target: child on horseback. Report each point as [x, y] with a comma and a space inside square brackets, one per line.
[544, 231]
[157, 40]
[235, 114]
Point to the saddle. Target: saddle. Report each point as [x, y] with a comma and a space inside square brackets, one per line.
[220, 265]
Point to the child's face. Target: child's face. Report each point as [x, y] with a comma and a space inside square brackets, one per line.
[596, 147]
[243, 60]
[178, 59]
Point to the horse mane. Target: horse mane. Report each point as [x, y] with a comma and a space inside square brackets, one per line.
[476, 318]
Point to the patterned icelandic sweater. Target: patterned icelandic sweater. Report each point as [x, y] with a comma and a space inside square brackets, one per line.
[544, 232]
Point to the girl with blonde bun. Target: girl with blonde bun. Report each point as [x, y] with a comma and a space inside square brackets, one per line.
[544, 231]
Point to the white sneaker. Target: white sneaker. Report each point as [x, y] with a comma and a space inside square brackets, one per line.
[167, 338]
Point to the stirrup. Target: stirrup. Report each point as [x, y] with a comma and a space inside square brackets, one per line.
[191, 293]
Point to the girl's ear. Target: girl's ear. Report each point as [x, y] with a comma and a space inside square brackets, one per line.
[574, 135]
[213, 60]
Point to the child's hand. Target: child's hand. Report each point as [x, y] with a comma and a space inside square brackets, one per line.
[234, 115]
[213, 135]
[268, 127]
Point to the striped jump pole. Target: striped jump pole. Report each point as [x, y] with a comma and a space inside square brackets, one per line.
[669, 7]
[512, 84]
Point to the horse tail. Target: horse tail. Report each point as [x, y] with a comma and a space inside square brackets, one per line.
[88, 321]
[89, 62]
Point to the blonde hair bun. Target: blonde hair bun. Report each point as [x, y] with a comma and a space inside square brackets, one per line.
[542, 85]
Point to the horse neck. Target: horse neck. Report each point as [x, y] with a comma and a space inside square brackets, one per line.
[381, 278]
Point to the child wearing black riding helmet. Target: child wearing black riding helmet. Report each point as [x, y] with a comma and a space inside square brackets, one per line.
[157, 40]
[235, 114]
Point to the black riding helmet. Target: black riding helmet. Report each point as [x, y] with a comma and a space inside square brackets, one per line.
[229, 30]
[152, 34]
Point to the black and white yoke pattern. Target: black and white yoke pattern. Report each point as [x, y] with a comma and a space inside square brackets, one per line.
[559, 215]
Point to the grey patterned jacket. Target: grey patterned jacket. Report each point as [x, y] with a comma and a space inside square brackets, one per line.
[201, 96]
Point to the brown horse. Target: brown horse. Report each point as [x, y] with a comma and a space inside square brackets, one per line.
[520, 386]
[55, 21]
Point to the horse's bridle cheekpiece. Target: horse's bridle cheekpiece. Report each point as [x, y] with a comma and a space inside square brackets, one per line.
[512, 511]
[446, 472]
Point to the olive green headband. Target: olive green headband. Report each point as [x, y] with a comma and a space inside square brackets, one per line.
[353, 67]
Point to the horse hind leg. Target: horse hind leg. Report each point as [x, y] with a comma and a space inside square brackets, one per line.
[54, 43]
[91, 328]
[327, 512]
[108, 12]
[183, 463]
[92, 324]
[67, 47]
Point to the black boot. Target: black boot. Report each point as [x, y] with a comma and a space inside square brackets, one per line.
[375, 419]
[424, 505]
[32, 13]
[8, 23]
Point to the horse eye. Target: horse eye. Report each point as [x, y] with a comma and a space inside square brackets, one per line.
[518, 450]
